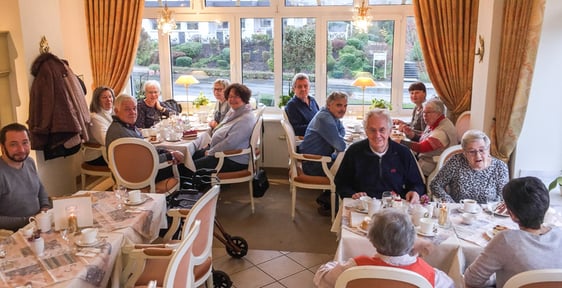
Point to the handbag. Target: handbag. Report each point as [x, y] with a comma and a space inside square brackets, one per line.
[260, 183]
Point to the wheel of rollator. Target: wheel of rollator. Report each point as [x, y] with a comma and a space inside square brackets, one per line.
[242, 245]
[221, 280]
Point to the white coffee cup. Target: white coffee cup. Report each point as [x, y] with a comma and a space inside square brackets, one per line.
[27, 232]
[134, 196]
[417, 214]
[468, 218]
[469, 205]
[427, 225]
[43, 221]
[375, 206]
[89, 235]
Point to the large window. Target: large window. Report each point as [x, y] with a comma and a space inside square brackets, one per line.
[316, 37]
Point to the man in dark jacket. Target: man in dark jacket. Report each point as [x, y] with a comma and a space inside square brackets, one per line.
[376, 164]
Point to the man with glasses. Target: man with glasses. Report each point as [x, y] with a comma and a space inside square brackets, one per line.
[376, 164]
[473, 174]
[439, 134]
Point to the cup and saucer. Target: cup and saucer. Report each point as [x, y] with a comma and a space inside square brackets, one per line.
[135, 198]
[89, 238]
[426, 234]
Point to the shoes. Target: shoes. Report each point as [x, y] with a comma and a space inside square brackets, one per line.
[324, 211]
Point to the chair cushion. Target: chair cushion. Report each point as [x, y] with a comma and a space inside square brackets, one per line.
[234, 174]
[162, 186]
[202, 269]
[308, 179]
[104, 168]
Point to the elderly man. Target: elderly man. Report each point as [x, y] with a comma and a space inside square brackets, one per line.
[302, 107]
[439, 134]
[325, 132]
[394, 237]
[21, 193]
[375, 165]
[123, 125]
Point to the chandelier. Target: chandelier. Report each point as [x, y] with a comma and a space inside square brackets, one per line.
[166, 22]
[362, 21]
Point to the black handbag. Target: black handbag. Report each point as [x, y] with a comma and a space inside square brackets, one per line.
[260, 183]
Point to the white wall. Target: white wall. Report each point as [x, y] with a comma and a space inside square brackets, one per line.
[540, 144]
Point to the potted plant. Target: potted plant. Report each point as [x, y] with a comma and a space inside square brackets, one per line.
[380, 103]
[556, 181]
[285, 98]
[201, 100]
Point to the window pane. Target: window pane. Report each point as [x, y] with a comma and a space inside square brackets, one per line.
[290, 3]
[390, 2]
[147, 62]
[351, 52]
[257, 58]
[299, 46]
[414, 66]
[170, 3]
[236, 3]
[201, 49]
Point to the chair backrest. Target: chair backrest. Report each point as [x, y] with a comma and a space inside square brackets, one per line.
[543, 278]
[95, 147]
[180, 268]
[204, 210]
[255, 141]
[443, 158]
[379, 276]
[291, 146]
[133, 162]
[462, 124]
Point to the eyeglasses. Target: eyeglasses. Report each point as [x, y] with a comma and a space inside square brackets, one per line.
[473, 153]
[218, 89]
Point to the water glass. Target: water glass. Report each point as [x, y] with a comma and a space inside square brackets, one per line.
[387, 199]
[121, 193]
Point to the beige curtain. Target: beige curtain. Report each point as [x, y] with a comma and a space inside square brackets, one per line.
[520, 40]
[113, 32]
[447, 33]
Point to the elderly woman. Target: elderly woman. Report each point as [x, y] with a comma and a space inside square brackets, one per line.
[473, 174]
[233, 132]
[101, 109]
[532, 246]
[393, 235]
[150, 110]
[439, 134]
[302, 107]
[418, 93]
[222, 106]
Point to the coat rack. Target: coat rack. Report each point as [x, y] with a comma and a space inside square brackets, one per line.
[44, 45]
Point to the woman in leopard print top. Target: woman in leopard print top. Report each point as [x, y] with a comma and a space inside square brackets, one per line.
[474, 174]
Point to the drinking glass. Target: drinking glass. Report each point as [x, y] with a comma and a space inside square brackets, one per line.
[491, 204]
[387, 199]
[120, 192]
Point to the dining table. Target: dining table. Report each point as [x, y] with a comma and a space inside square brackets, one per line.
[451, 248]
[69, 262]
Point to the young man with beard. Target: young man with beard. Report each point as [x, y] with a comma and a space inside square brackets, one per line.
[22, 194]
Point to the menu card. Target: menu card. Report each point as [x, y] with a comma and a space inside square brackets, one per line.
[83, 210]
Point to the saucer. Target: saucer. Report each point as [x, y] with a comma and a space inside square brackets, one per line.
[424, 234]
[144, 198]
[359, 210]
[170, 140]
[79, 243]
[155, 142]
[505, 214]
[461, 209]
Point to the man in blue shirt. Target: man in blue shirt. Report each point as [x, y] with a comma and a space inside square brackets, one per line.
[325, 132]
[302, 107]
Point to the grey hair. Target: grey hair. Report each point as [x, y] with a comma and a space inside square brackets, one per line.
[474, 135]
[120, 99]
[151, 83]
[223, 82]
[436, 104]
[392, 232]
[299, 76]
[336, 95]
[379, 113]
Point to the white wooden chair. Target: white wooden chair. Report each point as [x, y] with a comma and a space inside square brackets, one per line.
[246, 175]
[141, 268]
[462, 124]
[543, 278]
[102, 172]
[134, 163]
[379, 276]
[297, 177]
[441, 160]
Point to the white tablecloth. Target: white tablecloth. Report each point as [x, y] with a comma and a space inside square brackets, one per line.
[453, 248]
[187, 147]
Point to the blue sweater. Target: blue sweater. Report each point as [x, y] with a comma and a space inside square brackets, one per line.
[362, 170]
[300, 114]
